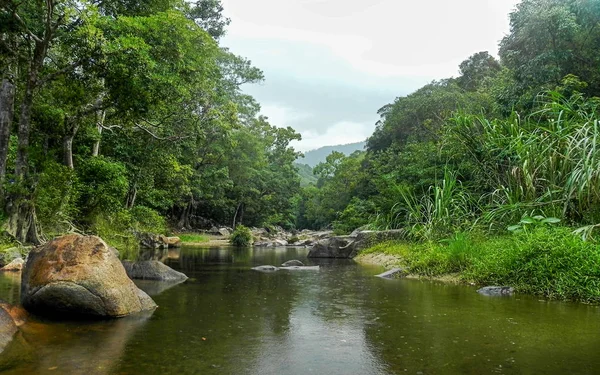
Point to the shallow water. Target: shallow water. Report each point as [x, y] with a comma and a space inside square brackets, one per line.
[228, 319]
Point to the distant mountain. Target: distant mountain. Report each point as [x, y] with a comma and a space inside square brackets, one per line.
[317, 156]
[305, 172]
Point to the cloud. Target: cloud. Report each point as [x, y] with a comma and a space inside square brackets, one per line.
[282, 116]
[330, 65]
[340, 133]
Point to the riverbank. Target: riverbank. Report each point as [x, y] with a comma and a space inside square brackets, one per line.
[548, 261]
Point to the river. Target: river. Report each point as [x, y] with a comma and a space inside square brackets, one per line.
[228, 319]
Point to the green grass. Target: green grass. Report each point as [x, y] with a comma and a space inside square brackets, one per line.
[193, 238]
[545, 261]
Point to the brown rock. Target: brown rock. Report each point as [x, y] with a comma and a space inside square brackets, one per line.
[79, 275]
[8, 328]
[171, 241]
[15, 266]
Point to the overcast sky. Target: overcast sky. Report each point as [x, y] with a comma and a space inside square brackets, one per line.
[331, 64]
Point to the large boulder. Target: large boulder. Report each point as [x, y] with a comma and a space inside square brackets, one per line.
[334, 247]
[152, 270]
[350, 246]
[79, 275]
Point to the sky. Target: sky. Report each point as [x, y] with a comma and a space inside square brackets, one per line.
[329, 65]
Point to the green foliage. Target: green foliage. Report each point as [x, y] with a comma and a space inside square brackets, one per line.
[144, 219]
[103, 186]
[241, 236]
[546, 260]
[192, 238]
[56, 197]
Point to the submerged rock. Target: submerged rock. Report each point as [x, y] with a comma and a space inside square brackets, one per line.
[293, 262]
[15, 266]
[270, 269]
[392, 274]
[496, 291]
[152, 270]
[79, 275]
[265, 268]
[300, 268]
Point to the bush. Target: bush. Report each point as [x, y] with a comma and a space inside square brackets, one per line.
[545, 260]
[104, 185]
[55, 197]
[241, 236]
[145, 219]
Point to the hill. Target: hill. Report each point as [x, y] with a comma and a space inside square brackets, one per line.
[305, 172]
[317, 156]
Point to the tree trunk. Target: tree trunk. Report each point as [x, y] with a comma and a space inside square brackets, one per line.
[68, 151]
[26, 106]
[23, 224]
[131, 196]
[7, 106]
[101, 115]
[235, 215]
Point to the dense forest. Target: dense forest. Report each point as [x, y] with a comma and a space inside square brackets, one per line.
[508, 143]
[121, 116]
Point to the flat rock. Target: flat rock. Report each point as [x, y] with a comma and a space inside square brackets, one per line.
[392, 274]
[300, 268]
[152, 270]
[265, 268]
[292, 262]
[495, 291]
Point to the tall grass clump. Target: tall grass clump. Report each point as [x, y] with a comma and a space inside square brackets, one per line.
[546, 261]
[446, 207]
[547, 163]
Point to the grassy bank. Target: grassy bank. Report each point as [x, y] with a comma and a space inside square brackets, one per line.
[545, 261]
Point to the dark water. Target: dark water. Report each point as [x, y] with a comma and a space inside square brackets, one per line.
[228, 319]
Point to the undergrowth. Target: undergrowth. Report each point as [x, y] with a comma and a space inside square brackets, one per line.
[545, 261]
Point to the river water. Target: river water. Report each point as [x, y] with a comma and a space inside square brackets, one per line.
[228, 319]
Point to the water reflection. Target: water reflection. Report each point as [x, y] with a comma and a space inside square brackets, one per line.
[228, 319]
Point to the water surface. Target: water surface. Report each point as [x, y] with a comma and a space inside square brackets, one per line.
[228, 319]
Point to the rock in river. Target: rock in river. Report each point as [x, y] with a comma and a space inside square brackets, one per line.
[270, 269]
[265, 268]
[292, 262]
[393, 273]
[8, 328]
[152, 270]
[16, 265]
[496, 291]
[79, 275]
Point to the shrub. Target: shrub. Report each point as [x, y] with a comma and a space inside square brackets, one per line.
[55, 197]
[241, 236]
[145, 219]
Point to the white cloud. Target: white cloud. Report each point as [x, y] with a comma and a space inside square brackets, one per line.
[336, 62]
[282, 116]
[340, 133]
